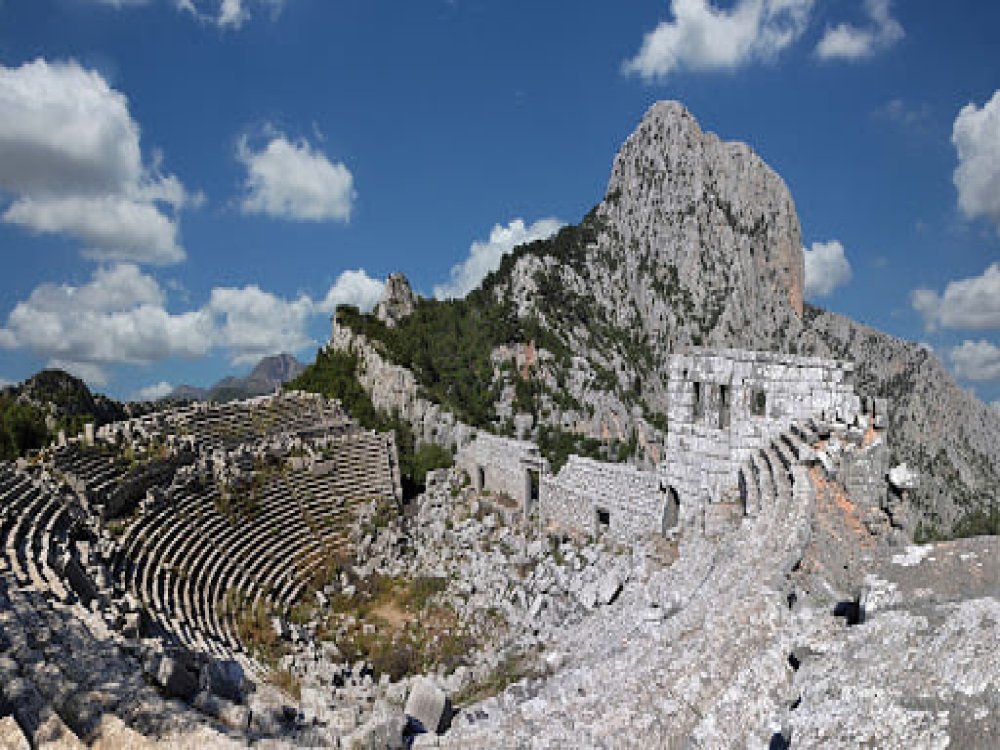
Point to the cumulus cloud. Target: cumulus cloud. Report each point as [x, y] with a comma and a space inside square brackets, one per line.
[485, 257]
[352, 288]
[295, 181]
[153, 392]
[252, 323]
[972, 303]
[704, 38]
[976, 360]
[111, 227]
[976, 135]
[827, 268]
[848, 42]
[70, 156]
[120, 317]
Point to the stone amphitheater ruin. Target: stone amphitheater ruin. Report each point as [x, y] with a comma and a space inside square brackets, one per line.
[717, 601]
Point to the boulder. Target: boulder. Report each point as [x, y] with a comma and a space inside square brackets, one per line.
[587, 595]
[902, 477]
[175, 674]
[426, 704]
[608, 587]
[224, 678]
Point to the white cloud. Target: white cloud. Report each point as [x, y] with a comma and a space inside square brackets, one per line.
[226, 14]
[972, 303]
[485, 257]
[112, 227]
[827, 268]
[703, 38]
[153, 392]
[252, 323]
[976, 135]
[847, 42]
[4, 383]
[70, 156]
[976, 360]
[120, 316]
[295, 181]
[352, 288]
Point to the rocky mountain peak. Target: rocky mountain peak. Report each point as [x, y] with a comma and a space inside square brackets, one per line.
[398, 300]
[711, 208]
[276, 370]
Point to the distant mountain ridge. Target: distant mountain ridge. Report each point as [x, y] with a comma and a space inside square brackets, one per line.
[269, 374]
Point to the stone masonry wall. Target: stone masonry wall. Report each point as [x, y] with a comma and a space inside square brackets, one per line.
[501, 465]
[636, 502]
[724, 403]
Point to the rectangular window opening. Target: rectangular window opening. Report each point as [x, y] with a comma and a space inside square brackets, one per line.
[603, 520]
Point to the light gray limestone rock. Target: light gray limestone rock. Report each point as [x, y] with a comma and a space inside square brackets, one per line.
[902, 477]
[426, 703]
[398, 300]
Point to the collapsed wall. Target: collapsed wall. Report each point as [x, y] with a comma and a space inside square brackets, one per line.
[724, 404]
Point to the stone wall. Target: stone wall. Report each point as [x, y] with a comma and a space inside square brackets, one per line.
[598, 498]
[504, 466]
[725, 403]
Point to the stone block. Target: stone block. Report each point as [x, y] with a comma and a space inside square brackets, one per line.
[11, 735]
[224, 678]
[902, 477]
[175, 675]
[608, 587]
[427, 704]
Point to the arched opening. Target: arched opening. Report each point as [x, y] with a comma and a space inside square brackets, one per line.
[480, 478]
[671, 510]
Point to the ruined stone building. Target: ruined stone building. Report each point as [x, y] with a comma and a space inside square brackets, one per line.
[724, 404]
[504, 466]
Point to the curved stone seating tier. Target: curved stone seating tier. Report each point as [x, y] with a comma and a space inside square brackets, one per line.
[184, 558]
[230, 425]
[35, 520]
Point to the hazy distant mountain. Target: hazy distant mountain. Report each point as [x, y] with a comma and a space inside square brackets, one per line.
[269, 374]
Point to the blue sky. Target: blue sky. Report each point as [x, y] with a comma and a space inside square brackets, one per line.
[184, 183]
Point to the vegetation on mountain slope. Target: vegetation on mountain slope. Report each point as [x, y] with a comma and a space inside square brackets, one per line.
[334, 375]
[34, 412]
